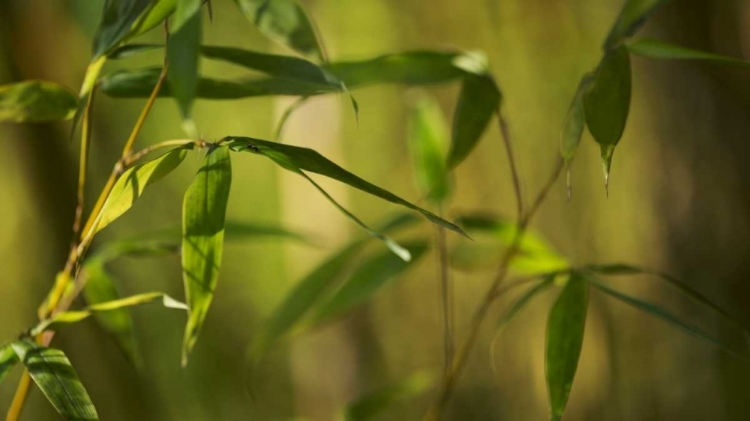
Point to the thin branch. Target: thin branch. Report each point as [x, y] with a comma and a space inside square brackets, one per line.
[446, 300]
[83, 164]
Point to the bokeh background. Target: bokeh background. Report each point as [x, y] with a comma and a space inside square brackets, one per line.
[678, 202]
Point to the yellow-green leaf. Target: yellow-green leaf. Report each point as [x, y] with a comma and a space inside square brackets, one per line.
[428, 140]
[8, 360]
[36, 101]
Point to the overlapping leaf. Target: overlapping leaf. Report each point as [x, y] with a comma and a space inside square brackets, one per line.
[653, 48]
[428, 137]
[631, 18]
[572, 131]
[204, 210]
[36, 101]
[118, 19]
[8, 360]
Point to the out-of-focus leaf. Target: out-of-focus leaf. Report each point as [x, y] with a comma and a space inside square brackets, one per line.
[366, 279]
[572, 131]
[131, 184]
[653, 48]
[183, 48]
[297, 159]
[8, 360]
[131, 50]
[607, 103]
[57, 379]
[524, 299]
[565, 328]
[479, 101]
[285, 22]
[308, 291]
[631, 18]
[204, 210]
[36, 101]
[668, 317]
[116, 24]
[428, 138]
[370, 406]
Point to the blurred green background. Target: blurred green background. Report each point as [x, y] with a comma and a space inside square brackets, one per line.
[678, 202]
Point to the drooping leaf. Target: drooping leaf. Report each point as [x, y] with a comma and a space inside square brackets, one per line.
[285, 22]
[572, 131]
[185, 11]
[183, 48]
[565, 328]
[428, 139]
[366, 279]
[607, 103]
[131, 184]
[116, 24]
[297, 159]
[309, 290]
[631, 18]
[204, 210]
[8, 360]
[36, 101]
[524, 299]
[479, 101]
[670, 318]
[368, 407]
[56, 378]
[653, 48]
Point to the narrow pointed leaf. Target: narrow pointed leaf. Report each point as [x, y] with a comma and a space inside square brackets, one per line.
[478, 102]
[116, 24]
[565, 328]
[572, 131]
[131, 184]
[524, 299]
[428, 139]
[182, 53]
[285, 22]
[131, 50]
[308, 291]
[185, 12]
[368, 407]
[299, 159]
[56, 378]
[204, 210]
[667, 316]
[365, 281]
[607, 103]
[633, 15]
[8, 360]
[653, 48]
[36, 101]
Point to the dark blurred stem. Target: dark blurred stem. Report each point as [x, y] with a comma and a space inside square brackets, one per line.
[436, 411]
[446, 297]
[83, 165]
[505, 131]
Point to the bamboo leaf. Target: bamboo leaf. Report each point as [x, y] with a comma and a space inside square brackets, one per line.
[204, 210]
[631, 18]
[297, 159]
[565, 328]
[158, 11]
[653, 48]
[131, 184]
[573, 128]
[56, 378]
[36, 101]
[184, 13]
[607, 103]
[118, 18]
[8, 360]
[365, 281]
[183, 48]
[131, 50]
[368, 407]
[524, 299]
[428, 139]
[285, 22]
[479, 100]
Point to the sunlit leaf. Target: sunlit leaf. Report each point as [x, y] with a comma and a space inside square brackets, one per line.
[309, 290]
[366, 279]
[368, 407]
[286, 22]
[156, 14]
[607, 103]
[204, 210]
[653, 48]
[36, 101]
[8, 360]
[183, 48]
[565, 328]
[631, 18]
[572, 131]
[478, 102]
[428, 139]
[297, 159]
[131, 184]
[57, 379]
[524, 299]
[657, 311]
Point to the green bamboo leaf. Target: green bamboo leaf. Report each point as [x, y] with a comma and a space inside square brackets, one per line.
[365, 281]
[158, 11]
[607, 103]
[8, 360]
[285, 22]
[118, 18]
[36, 101]
[184, 13]
[131, 184]
[524, 299]
[183, 48]
[428, 139]
[653, 48]
[56, 378]
[204, 210]
[368, 407]
[131, 50]
[572, 131]
[297, 159]
[479, 101]
[308, 291]
[565, 328]
[631, 18]
[668, 317]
